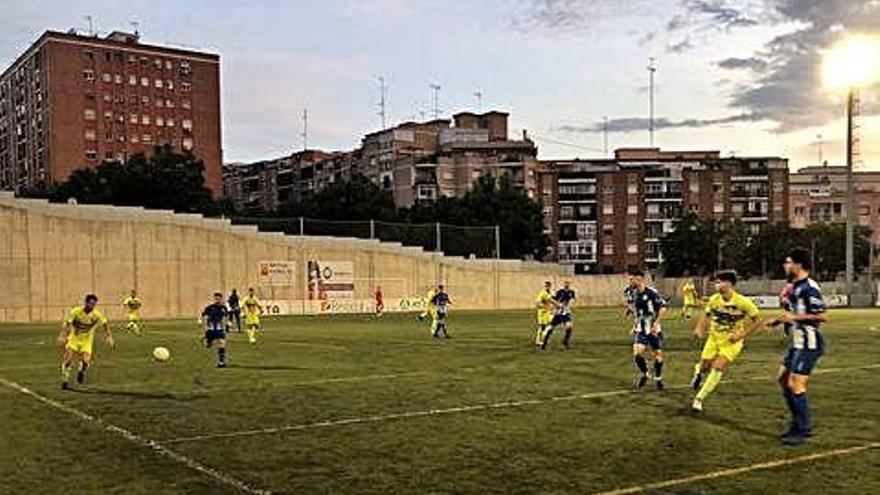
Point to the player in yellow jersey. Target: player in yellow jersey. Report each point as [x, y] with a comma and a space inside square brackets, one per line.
[133, 306]
[731, 318]
[77, 336]
[544, 308]
[430, 309]
[688, 299]
[252, 309]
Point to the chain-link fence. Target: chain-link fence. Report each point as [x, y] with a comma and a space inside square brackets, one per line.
[457, 240]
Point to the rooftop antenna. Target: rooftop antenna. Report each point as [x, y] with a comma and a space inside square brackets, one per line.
[605, 134]
[479, 96]
[91, 25]
[652, 68]
[435, 96]
[134, 27]
[305, 132]
[818, 144]
[382, 88]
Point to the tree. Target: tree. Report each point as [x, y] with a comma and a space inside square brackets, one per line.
[164, 180]
[691, 248]
[355, 199]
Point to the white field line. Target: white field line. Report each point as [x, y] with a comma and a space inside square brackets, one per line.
[725, 473]
[453, 410]
[134, 438]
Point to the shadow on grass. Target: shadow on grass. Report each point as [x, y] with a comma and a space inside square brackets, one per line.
[138, 395]
[266, 367]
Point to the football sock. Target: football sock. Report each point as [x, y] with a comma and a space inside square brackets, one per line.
[567, 339]
[658, 370]
[83, 367]
[709, 385]
[65, 372]
[789, 401]
[802, 412]
[547, 334]
[252, 334]
[641, 364]
[221, 355]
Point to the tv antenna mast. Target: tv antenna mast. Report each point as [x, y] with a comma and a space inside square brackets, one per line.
[652, 69]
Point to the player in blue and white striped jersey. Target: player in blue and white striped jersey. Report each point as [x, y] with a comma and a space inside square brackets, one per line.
[649, 307]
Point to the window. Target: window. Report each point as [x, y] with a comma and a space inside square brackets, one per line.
[132, 59]
[187, 144]
[159, 84]
[89, 75]
[160, 121]
[608, 189]
[185, 86]
[608, 249]
[718, 208]
[169, 122]
[632, 210]
[145, 119]
[89, 55]
[169, 84]
[89, 114]
[566, 212]
[91, 97]
[168, 65]
[145, 100]
[695, 186]
[107, 77]
[132, 80]
[864, 210]
[160, 102]
[146, 138]
[186, 104]
[608, 229]
[107, 97]
[108, 115]
[134, 138]
[169, 104]
[117, 78]
[91, 155]
[145, 82]
[586, 231]
[632, 188]
[718, 187]
[608, 209]
[632, 249]
[188, 125]
[133, 118]
[90, 135]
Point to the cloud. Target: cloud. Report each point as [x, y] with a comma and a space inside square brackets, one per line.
[634, 124]
[719, 13]
[682, 46]
[734, 63]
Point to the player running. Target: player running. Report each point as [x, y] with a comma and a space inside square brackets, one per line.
[688, 299]
[380, 302]
[429, 305]
[649, 308]
[252, 310]
[806, 311]
[77, 336]
[726, 314]
[441, 303]
[133, 306]
[544, 306]
[234, 310]
[629, 297]
[215, 317]
[563, 316]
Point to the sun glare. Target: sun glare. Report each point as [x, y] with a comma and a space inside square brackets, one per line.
[852, 63]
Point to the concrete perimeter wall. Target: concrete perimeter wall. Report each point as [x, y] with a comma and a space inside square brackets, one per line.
[51, 255]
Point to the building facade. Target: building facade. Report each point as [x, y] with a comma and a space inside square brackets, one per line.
[415, 161]
[818, 195]
[72, 101]
[606, 216]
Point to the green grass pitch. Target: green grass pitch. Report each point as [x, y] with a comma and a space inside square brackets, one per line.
[352, 404]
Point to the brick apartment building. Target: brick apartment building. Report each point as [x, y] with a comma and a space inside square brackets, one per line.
[605, 216]
[416, 161]
[818, 195]
[72, 101]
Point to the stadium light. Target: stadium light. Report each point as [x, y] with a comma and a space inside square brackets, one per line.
[851, 64]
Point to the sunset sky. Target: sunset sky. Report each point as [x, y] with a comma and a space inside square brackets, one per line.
[742, 77]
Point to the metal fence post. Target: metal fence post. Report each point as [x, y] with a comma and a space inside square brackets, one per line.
[302, 230]
[372, 229]
[497, 242]
[439, 243]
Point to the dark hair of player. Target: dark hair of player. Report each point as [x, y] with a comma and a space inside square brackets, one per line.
[726, 276]
[801, 256]
[218, 294]
[91, 298]
[637, 273]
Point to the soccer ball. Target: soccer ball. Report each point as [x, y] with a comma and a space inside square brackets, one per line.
[161, 354]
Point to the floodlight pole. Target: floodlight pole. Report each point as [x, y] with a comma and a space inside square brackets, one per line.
[850, 196]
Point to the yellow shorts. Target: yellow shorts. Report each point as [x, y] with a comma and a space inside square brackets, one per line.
[81, 343]
[252, 320]
[134, 316]
[545, 317]
[718, 345]
[432, 312]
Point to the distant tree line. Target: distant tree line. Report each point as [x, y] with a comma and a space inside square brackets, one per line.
[700, 246]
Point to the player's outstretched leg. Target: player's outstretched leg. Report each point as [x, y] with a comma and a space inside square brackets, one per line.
[252, 334]
[221, 354]
[66, 364]
[566, 340]
[83, 366]
[658, 369]
[642, 367]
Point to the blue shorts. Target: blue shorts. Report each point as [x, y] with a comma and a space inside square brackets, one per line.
[212, 334]
[655, 342]
[802, 361]
[562, 318]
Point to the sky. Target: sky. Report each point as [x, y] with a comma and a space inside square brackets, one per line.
[742, 77]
